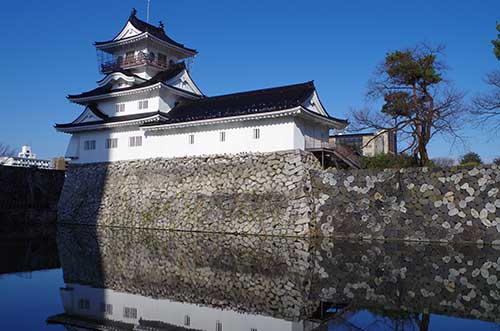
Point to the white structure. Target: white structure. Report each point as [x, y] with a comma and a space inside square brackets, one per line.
[367, 144]
[26, 158]
[26, 152]
[93, 308]
[147, 105]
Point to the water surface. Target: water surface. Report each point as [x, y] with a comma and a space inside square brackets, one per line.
[130, 279]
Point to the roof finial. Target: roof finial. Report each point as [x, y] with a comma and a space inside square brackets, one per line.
[134, 12]
[161, 25]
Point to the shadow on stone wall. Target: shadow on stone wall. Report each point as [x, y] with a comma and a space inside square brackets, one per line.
[286, 278]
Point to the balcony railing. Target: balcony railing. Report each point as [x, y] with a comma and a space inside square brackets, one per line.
[132, 61]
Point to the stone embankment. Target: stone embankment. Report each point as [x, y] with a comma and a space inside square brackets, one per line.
[268, 194]
[459, 204]
[286, 194]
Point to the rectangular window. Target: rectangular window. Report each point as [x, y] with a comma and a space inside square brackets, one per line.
[256, 133]
[191, 139]
[253, 329]
[187, 320]
[120, 107]
[111, 143]
[135, 141]
[84, 304]
[222, 136]
[218, 326]
[129, 312]
[107, 308]
[143, 104]
[89, 145]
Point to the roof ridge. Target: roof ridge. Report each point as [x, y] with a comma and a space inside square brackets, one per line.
[310, 83]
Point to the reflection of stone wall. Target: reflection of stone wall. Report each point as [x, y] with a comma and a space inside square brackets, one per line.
[452, 204]
[461, 280]
[285, 277]
[286, 193]
[266, 275]
[246, 193]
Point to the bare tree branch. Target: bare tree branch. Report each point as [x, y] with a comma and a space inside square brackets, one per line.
[5, 150]
[487, 105]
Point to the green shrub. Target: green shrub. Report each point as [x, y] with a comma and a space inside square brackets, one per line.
[470, 159]
[383, 161]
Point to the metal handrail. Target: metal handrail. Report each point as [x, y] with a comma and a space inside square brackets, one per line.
[126, 62]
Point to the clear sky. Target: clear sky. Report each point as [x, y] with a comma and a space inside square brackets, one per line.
[47, 52]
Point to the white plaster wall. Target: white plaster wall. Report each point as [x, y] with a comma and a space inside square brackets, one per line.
[202, 318]
[108, 107]
[312, 135]
[275, 135]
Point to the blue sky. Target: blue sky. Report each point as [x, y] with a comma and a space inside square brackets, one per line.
[47, 52]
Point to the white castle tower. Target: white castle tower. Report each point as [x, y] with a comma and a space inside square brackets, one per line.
[147, 105]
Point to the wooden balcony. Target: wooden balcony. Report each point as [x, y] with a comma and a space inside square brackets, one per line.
[130, 62]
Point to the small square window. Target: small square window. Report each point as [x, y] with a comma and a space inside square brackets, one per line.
[84, 304]
[120, 107]
[107, 308]
[111, 143]
[89, 145]
[191, 139]
[256, 133]
[129, 312]
[135, 141]
[222, 136]
[143, 104]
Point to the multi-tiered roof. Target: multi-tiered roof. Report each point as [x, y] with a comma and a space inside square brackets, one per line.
[159, 66]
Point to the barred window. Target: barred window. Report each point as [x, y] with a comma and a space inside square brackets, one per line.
[120, 107]
[135, 141]
[218, 326]
[111, 143]
[143, 104]
[222, 136]
[107, 308]
[256, 133]
[84, 304]
[191, 139]
[129, 312]
[187, 320]
[89, 145]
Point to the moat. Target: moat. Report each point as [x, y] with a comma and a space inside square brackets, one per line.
[102, 278]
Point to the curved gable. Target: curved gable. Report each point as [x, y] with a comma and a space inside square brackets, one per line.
[184, 82]
[128, 31]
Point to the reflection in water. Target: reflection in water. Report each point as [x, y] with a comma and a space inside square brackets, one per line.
[130, 279]
[22, 252]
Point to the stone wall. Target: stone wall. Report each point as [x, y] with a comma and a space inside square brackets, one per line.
[28, 197]
[247, 193]
[286, 193]
[452, 204]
